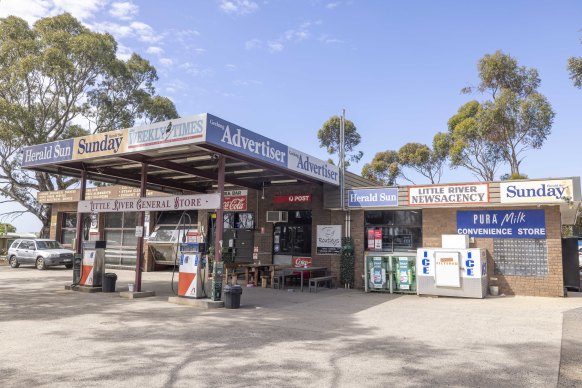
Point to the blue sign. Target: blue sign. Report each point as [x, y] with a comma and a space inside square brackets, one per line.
[229, 136]
[373, 197]
[56, 151]
[502, 223]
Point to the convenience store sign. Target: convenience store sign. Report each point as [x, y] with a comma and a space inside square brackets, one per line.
[502, 223]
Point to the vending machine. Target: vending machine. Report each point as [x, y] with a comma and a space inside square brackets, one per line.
[453, 270]
[192, 270]
[92, 264]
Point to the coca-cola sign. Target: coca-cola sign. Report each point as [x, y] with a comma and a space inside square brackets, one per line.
[300, 262]
[235, 200]
[293, 198]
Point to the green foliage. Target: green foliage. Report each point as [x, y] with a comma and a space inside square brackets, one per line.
[383, 169]
[426, 161]
[52, 77]
[7, 228]
[347, 262]
[517, 118]
[513, 177]
[469, 146]
[329, 137]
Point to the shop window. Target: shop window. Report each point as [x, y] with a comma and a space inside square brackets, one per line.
[520, 256]
[393, 230]
[293, 237]
[121, 240]
[68, 228]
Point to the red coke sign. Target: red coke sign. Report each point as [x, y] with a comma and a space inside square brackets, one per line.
[294, 198]
[235, 200]
[300, 262]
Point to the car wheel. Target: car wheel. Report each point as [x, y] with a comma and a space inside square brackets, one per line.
[68, 266]
[13, 262]
[40, 263]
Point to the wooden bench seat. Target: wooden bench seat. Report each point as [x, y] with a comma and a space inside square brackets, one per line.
[314, 282]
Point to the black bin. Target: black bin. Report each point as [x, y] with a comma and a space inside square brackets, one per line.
[232, 296]
[109, 282]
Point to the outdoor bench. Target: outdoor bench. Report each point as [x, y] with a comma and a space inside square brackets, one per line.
[314, 282]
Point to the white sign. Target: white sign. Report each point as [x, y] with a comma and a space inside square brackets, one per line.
[329, 239]
[308, 165]
[448, 194]
[175, 202]
[447, 272]
[139, 231]
[186, 130]
[549, 191]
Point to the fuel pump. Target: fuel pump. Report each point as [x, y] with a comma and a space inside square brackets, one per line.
[93, 264]
[192, 270]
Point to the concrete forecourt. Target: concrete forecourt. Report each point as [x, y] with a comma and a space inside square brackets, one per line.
[335, 338]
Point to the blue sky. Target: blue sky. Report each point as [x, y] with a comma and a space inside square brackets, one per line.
[281, 68]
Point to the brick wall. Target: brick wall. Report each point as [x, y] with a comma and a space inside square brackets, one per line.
[436, 222]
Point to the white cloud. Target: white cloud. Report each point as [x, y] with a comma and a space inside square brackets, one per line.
[275, 46]
[238, 7]
[328, 39]
[253, 44]
[123, 10]
[230, 67]
[155, 50]
[138, 30]
[144, 32]
[32, 10]
[123, 52]
[166, 61]
[250, 82]
[195, 70]
[200, 51]
[332, 5]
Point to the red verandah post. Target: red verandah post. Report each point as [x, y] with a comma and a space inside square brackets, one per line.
[79, 226]
[140, 223]
[219, 212]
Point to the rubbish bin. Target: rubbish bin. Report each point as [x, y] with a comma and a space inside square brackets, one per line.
[232, 296]
[109, 282]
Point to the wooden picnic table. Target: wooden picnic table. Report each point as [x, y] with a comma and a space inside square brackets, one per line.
[257, 268]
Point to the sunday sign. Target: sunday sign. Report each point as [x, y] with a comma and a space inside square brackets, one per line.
[448, 194]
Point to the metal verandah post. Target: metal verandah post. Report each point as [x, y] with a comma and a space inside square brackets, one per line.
[140, 222]
[219, 212]
[79, 226]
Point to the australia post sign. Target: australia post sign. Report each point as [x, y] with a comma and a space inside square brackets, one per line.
[174, 202]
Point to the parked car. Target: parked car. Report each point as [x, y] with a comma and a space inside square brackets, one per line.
[41, 253]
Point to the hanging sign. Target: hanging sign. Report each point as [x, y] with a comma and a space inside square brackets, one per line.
[329, 240]
[56, 151]
[175, 202]
[373, 197]
[235, 200]
[295, 198]
[502, 223]
[547, 191]
[448, 194]
[378, 239]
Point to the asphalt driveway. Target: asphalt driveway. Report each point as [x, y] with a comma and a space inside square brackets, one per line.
[335, 338]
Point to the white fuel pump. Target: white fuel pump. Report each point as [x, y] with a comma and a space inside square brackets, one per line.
[192, 270]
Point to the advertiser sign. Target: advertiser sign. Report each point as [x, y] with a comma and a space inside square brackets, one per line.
[329, 239]
[448, 195]
[235, 200]
[536, 191]
[186, 130]
[174, 202]
[313, 167]
[294, 198]
[502, 223]
[100, 144]
[229, 136]
[56, 151]
[373, 197]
